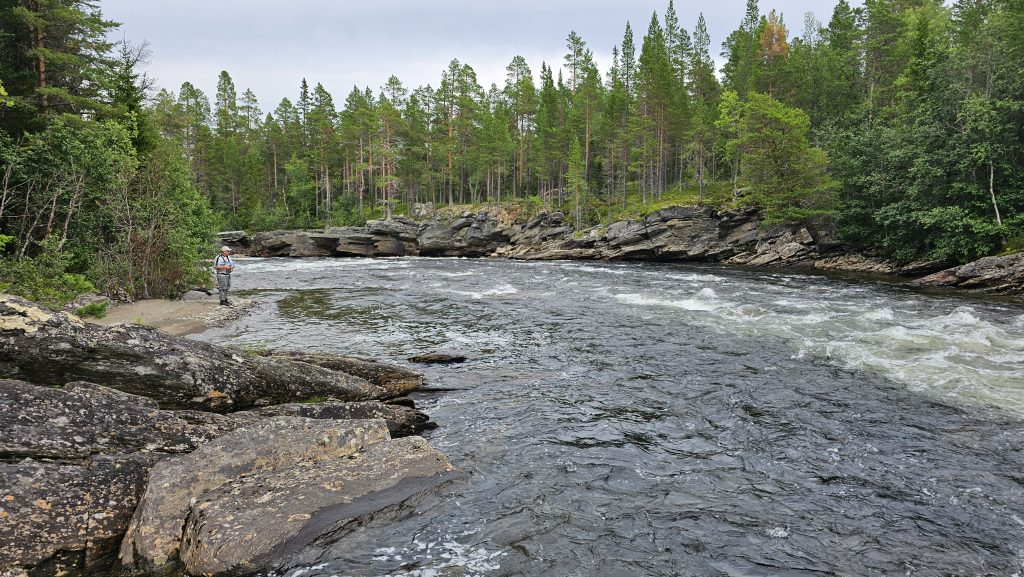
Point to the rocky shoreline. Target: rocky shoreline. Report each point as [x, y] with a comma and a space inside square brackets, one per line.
[678, 234]
[127, 450]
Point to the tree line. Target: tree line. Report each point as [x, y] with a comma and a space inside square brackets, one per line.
[899, 124]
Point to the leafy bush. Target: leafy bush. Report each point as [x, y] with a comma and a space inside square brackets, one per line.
[97, 310]
[43, 278]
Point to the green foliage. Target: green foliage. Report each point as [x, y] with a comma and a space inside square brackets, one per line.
[918, 105]
[43, 278]
[96, 310]
[159, 232]
[789, 177]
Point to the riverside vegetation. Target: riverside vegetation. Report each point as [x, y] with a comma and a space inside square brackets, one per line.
[898, 124]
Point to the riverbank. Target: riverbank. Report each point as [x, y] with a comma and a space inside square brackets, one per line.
[193, 313]
[675, 234]
[94, 413]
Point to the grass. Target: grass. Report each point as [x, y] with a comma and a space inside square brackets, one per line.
[98, 310]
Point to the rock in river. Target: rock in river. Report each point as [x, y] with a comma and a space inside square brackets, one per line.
[50, 348]
[253, 495]
[257, 522]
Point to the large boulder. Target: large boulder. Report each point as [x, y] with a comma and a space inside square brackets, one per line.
[77, 459]
[56, 517]
[294, 243]
[379, 238]
[247, 500]
[397, 381]
[993, 275]
[779, 246]
[82, 419]
[471, 235]
[44, 347]
[401, 420]
[154, 536]
[237, 240]
[258, 522]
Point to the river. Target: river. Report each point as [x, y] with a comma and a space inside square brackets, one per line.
[678, 420]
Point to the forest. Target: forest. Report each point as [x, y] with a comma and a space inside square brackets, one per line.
[898, 124]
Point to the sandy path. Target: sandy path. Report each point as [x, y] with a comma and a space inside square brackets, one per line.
[192, 314]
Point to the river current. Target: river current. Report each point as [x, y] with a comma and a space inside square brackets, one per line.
[675, 420]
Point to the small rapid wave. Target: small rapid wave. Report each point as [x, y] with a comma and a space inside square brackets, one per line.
[498, 291]
[953, 354]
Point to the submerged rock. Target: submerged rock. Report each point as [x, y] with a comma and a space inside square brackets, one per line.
[437, 359]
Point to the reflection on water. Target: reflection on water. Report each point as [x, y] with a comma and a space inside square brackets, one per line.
[628, 419]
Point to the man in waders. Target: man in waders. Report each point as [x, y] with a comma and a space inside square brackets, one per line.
[222, 266]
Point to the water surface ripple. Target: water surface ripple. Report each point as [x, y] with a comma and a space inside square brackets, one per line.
[632, 419]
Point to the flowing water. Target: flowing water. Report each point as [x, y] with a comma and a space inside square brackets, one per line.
[639, 419]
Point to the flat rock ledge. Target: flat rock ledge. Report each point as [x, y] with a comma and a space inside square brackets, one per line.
[98, 442]
[674, 234]
[1000, 275]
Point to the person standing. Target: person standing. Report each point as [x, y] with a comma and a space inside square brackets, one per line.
[222, 267]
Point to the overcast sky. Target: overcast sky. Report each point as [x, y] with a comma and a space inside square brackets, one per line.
[270, 45]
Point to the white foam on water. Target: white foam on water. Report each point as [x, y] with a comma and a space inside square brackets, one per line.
[704, 300]
[284, 264]
[587, 268]
[882, 314]
[502, 290]
[695, 277]
[959, 354]
[441, 557]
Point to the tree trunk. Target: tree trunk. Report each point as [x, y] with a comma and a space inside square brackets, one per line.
[41, 65]
[992, 191]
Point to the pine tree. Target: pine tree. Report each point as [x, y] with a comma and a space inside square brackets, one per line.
[704, 90]
[741, 48]
[522, 97]
[655, 97]
[55, 59]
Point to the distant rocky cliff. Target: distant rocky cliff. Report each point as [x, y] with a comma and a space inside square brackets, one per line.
[682, 234]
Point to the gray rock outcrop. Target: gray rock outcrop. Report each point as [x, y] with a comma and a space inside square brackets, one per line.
[154, 536]
[397, 381]
[257, 522]
[57, 517]
[991, 275]
[48, 348]
[471, 235]
[81, 420]
[75, 457]
[695, 234]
